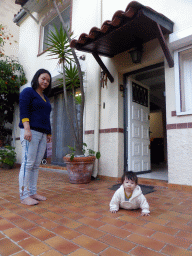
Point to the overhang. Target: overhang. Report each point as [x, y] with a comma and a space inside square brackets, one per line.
[29, 6]
[137, 25]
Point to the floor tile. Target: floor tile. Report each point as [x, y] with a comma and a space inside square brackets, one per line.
[92, 215]
[161, 228]
[72, 215]
[4, 224]
[51, 216]
[127, 218]
[69, 223]
[82, 252]
[172, 239]
[119, 232]
[25, 224]
[141, 251]
[91, 222]
[52, 253]
[22, 253]
[118, 243]
[90, 244]
[138, 229]
[113, 221]
[89, 231]
[113, 251]
[7, 247]
[176, 251]
[48, 224]
[186, 235]
[34, 246]
[12, 217]
[146, 241]
[16, 234]
[66, 232]
[62, 245]
[41, 233]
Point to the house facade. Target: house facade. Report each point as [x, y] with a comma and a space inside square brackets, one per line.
[138, 112]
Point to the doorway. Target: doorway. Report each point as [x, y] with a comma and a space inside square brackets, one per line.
[153, 78]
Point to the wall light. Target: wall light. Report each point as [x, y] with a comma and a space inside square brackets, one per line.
[136, 54]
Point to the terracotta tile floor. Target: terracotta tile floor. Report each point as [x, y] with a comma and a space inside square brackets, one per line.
[75, 220]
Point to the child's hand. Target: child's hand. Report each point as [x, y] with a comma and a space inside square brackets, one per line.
[114, 211]
[145, 214]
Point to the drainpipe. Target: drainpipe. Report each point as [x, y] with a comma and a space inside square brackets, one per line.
[97, 101]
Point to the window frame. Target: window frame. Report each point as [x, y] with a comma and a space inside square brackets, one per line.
[49, 18]
[177, 70]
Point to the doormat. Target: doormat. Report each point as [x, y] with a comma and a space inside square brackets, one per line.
[145, 189]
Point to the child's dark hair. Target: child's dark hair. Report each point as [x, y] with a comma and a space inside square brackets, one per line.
[35, 83]
[130, 176]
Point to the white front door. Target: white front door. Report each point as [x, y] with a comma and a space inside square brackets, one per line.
[138, 126]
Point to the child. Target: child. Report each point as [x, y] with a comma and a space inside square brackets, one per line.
[129, 195]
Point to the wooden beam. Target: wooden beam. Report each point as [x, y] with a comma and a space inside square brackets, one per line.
[102, 65]
[164, 46]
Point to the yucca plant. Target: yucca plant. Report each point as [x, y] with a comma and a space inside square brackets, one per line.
[58, 47]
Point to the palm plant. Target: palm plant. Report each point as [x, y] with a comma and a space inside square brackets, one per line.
[59, 47]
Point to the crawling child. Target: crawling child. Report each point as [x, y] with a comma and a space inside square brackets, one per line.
[129, 195]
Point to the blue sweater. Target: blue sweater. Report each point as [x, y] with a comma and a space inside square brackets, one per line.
[33, 107]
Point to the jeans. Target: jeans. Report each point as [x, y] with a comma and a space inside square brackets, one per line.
[32, 154]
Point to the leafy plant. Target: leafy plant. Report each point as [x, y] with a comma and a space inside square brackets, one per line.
[5, 37]
[85, 150]
[12, 76]
[58, 43]
[8, 156]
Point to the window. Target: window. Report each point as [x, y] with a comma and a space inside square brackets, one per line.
[183, 81]
[55, 22]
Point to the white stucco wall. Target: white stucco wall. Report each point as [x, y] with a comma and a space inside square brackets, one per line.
[179, 156]
[7, 10]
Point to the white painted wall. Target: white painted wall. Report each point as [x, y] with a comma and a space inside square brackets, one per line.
[179, 156]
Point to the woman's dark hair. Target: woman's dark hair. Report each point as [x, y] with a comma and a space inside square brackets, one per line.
[35, 83]
[130, 176]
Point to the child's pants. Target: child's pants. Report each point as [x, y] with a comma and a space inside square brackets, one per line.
[32, 154]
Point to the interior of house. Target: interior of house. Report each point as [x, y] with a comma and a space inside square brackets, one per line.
[155, 80]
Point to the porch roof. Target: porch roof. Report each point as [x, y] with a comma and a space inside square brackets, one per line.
[136, 25]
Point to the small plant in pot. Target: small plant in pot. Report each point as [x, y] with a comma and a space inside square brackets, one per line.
[78, 164]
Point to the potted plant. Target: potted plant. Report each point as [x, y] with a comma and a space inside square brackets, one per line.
[7, 157]
[79, 167]
[77, 162]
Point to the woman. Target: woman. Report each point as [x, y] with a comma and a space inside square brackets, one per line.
[35, 125]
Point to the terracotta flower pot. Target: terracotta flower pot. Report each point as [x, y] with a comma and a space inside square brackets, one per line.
[80, 169]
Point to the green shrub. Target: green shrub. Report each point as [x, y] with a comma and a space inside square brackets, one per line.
[7, 156]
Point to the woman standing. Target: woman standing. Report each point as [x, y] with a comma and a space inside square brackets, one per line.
[35, 125]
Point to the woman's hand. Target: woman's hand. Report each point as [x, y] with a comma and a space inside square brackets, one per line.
[48, 138]
[28, 135]
[27, 131]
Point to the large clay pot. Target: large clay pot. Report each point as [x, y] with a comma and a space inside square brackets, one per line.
[80, 169]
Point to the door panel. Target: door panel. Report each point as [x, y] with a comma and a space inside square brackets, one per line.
[138, 127]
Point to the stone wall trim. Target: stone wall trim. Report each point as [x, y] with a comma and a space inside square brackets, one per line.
[179, 126]
[108, 130]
